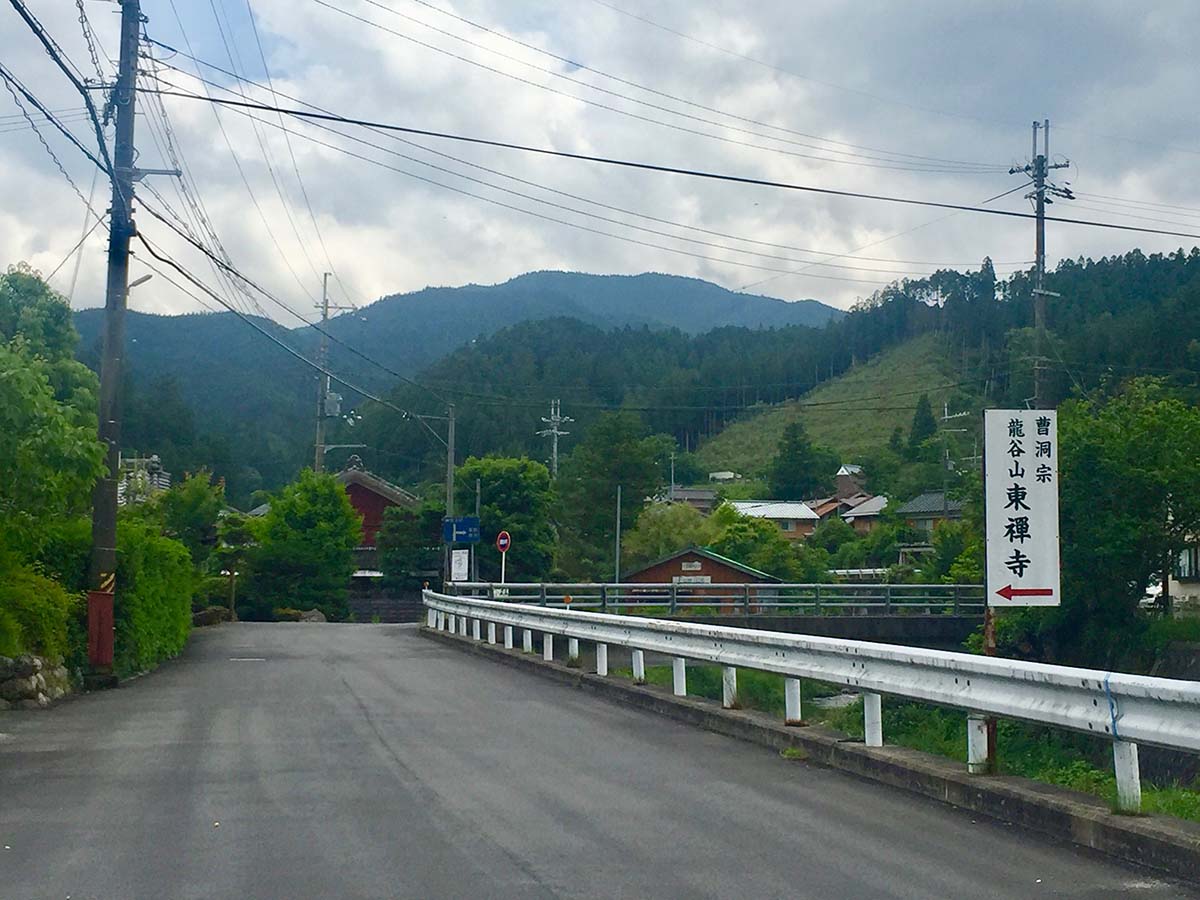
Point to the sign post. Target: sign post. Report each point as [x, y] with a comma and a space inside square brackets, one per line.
[1020, 465]
[503, 543]
[460, 565]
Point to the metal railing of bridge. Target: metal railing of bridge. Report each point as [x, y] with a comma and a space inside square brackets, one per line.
[749, 599]
[1126, 709]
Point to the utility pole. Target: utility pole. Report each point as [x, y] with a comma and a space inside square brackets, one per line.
[449, 478]
[475, 546]
[617, 565]
[554, 432]
[322, 378]
[1038, 169]
[671, 490]
[102, 573]
[947, 465]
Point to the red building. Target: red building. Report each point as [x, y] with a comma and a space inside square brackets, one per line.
[698, 573]
[370, 496]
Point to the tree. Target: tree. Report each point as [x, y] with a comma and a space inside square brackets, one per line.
[190, 510]
[516, 497]
[615, 451]
[801, 468]
[49, 448]
[1130, 502]
[924, 426]
[662, 529]
[410, 547]
[305, 552]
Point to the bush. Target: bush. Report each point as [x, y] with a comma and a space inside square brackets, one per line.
[153, 611]
[35, 613]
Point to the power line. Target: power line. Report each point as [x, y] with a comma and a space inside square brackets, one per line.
[199, 285]
[828, 254]
[672, 170]
[579, 65]
[914, 166]
[15, 86]
[63, 62]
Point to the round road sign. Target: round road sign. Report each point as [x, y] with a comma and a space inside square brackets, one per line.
[503, 541]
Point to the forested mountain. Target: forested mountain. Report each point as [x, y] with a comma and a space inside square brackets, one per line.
[206, 389]
[1115, 317]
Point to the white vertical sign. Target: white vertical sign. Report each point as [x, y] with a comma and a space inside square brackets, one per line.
[1020, 486]
[460, 565]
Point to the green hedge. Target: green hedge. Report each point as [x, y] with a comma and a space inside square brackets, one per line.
[35, 612]
[155, 583]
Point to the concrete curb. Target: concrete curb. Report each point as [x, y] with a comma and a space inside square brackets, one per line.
[1168, 845]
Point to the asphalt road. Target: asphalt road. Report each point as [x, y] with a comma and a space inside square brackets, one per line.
[295, 761]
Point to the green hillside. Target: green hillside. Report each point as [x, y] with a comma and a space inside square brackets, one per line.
[853, 414]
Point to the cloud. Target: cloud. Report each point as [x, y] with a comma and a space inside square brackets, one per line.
[880, 86]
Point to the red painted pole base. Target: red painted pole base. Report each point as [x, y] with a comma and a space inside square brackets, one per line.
[100, 630]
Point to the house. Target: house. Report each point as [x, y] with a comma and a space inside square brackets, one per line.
[370, 495]
[697, 565]
[703, 500]
[140, 479]
[698, 572]
[926, 511]
[864, 516]
[848, 481]
[795, 518]
[1184, 586]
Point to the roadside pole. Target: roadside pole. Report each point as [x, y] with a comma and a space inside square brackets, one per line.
[102, 573]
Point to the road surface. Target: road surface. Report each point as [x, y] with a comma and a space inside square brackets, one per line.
[294, 761]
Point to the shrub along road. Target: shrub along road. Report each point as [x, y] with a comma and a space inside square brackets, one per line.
[365, 761]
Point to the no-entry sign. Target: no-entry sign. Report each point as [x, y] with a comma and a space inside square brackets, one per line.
[503, 541]
[1020, 460]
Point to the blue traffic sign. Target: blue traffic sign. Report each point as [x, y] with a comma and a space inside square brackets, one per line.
[460, 530]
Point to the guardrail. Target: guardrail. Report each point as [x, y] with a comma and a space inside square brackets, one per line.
[1127, 709]
[749, 599]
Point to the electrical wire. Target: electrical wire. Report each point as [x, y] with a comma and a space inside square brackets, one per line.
[543, 187]
[15, 86]
[618, 110]
[199, 285]
[673, 170]
[575, 64]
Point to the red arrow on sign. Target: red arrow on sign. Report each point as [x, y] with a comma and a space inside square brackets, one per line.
[1008, 592]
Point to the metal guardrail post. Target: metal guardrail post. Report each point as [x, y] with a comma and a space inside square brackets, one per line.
[491, 632]
[547, 646]
[792, 714]
[977, 744]
[638, 661]
[508, 637]
[872, 720]
[674, 598]
[956, 599]
[679, 676]
[543, 593]
[602, 659]
[1129, 783]
[816, 600]
[491, 591]
[729, 698]
[887, 599]
[604, 598]
[746, 599]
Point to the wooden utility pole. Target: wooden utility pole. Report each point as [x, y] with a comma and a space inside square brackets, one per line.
[102, 572]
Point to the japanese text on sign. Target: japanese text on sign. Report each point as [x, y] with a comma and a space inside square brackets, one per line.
[1021, 496]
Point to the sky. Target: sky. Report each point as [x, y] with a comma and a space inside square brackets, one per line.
[932, 101]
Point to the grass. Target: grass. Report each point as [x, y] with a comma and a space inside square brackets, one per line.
[897, 377]
[1042, 754]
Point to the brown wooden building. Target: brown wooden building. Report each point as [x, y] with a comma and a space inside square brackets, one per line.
[698, 572]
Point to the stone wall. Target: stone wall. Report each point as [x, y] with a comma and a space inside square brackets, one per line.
[31, 682]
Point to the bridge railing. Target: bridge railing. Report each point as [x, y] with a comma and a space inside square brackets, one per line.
[1126, 709]
[747, 599]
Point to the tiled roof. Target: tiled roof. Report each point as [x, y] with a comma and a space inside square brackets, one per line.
[871, 507]
[930, 503]
[775, 509]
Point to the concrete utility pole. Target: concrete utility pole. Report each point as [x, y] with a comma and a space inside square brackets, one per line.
[475, 547]
[617, 564]
[554, 432]
[102, 574]
[449, 477]
[1037, 169]
[322, 378]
